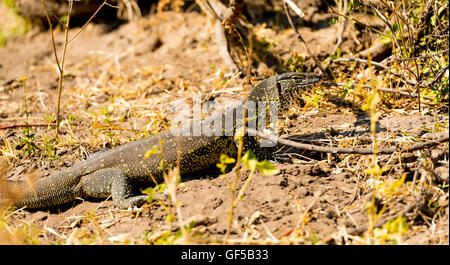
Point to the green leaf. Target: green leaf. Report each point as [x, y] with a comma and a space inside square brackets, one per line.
[270, 45]
[337, 55]
[222, 167]
[386, 39]
[333, 20]
[170, 218]
[395, 226]
[224, 159]
[150, 191]
[64, 18]
[267, 168]
[249, 160]
[152, 151]
[433, 21]
[395, 27]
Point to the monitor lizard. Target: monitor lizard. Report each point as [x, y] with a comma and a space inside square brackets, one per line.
[120, 171]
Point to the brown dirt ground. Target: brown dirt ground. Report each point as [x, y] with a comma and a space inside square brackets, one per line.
[127, 76]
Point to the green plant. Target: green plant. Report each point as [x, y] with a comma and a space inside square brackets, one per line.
[391, 232]
[27, 142]
[249, 162]
[295, 63]
[172, 179]
[49, 147]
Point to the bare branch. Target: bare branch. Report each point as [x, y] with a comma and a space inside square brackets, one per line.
[89, 20]
[52, 34]
[338, 150]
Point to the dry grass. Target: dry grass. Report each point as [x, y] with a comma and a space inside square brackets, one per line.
[108, 98]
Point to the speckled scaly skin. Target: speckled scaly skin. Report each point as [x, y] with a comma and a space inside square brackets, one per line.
[120, 171]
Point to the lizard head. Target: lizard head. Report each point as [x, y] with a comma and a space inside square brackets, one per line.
[291, 85]
[283, 89]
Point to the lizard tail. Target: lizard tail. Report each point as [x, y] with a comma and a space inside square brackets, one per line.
[56, 189]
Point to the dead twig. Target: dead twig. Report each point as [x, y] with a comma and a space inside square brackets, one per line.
[294, 7]
[339, 150]
[222, 44]
[66, 42]
[439, 75]
[60, 65]
[50, 25]
[340, 32]
[386, 21]
[381, 222]
[361, 61]
[291, 23]
[396, 41]
[233, 12]
[377, 51]
[355, 20]
[217, 11]
[27, 125]
[90, 19]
